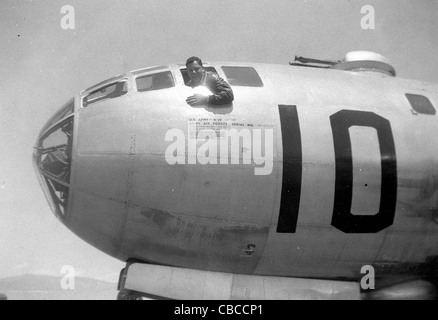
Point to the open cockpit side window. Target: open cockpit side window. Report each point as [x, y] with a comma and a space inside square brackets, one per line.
[109, 91]
[186, 76]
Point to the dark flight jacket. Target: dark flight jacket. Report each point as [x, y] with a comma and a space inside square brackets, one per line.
[222, 92]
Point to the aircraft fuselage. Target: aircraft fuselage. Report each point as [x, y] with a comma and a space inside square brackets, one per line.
[312, 173]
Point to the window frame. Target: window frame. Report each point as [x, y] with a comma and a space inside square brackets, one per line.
[65, 111]
[429, 109]
[185, 74]
[261, 84]
[151, 74]
[58, 200]
[41, 150]
[107, 83]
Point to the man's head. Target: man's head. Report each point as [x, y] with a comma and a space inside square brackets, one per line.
[195, 69]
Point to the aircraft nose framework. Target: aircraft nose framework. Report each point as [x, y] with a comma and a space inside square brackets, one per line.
[52, 158]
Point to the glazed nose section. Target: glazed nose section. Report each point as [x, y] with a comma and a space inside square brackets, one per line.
[52, 158]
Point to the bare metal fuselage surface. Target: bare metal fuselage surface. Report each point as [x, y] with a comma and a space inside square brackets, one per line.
[352, 181]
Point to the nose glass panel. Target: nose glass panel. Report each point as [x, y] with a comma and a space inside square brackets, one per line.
[54, 163]
[62, 113]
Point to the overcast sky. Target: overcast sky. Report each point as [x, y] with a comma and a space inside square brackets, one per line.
[43, 65]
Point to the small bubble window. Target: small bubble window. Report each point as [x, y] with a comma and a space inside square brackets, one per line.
[421, 104]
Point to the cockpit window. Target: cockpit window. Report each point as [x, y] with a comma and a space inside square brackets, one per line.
[421, 104]
[155, 81]
[186, 76]
[243, 76]
[54, 162]
[65, 110]
[55, 149]
[110, 91]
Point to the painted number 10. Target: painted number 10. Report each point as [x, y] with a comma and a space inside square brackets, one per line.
[342, 217]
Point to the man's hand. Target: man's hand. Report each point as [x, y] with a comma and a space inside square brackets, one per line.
[197, 99]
